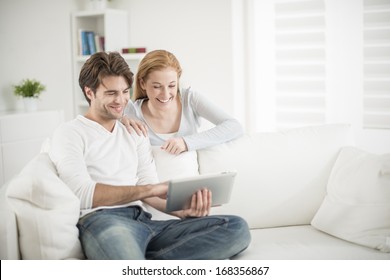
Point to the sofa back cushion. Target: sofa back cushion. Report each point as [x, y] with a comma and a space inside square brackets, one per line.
[282, 176]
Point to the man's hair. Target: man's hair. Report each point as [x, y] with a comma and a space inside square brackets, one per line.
[154, 60]
[101, 65]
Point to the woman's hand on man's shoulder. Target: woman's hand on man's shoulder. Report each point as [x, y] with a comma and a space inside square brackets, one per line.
[139, 127]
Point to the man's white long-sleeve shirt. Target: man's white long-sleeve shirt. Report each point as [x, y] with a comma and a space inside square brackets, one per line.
[85, 153]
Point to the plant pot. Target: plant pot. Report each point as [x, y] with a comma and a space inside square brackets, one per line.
[30, 104]
[98, 5]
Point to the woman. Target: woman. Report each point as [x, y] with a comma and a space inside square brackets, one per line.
[172, 116]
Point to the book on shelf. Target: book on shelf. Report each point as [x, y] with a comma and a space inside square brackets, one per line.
[133, 50]
[83, 43]
[90, 42]
[99, 43]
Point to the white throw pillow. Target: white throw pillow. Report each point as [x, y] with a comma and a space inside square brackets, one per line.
[172, 167]
[47, 212]
[357, 205]
[175, 166]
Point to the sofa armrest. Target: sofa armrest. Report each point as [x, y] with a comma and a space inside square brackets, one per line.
[9, 245]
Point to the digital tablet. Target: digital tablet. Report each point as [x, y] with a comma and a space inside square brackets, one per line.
[180, 190]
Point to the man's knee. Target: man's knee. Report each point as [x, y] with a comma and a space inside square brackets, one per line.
[240, 234]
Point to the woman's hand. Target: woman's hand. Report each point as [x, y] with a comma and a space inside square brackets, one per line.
[138, 126]
[200, 205]
[175, 146]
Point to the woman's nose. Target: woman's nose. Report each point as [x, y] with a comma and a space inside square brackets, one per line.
[166, 91]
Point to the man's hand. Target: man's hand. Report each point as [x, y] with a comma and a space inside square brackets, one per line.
[200, 205]
[160, 190]
[137, 125]
[175, 146]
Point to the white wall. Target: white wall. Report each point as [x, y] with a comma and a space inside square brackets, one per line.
[35, 43]
[199, 33]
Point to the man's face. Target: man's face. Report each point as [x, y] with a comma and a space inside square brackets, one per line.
[110, 99]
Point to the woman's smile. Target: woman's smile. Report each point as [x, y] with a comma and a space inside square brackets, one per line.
[165, 100]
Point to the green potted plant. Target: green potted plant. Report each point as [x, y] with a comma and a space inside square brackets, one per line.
[29, 90]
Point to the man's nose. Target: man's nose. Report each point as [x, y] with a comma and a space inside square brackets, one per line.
[120, 98]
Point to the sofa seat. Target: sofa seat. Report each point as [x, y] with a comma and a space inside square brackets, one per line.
[304, 243]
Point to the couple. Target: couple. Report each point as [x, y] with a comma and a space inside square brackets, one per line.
[113, 172]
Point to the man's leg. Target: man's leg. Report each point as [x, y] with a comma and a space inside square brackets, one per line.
[211, 237]
[114, 234]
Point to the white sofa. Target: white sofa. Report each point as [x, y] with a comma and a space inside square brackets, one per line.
[306, 193]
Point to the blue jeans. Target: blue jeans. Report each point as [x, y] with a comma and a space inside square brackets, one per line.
[129, 233]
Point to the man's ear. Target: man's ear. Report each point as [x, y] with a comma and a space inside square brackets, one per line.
[89, 92]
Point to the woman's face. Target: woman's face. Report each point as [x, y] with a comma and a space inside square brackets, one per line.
[161, 88]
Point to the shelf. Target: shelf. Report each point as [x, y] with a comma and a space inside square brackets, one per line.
[21, 138]
[133, 56]
[113, 26]
[127, 56]
[97, 13]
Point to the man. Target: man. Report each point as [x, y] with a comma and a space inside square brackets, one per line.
[113, 174]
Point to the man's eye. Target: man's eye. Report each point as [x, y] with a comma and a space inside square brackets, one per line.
[172, 86]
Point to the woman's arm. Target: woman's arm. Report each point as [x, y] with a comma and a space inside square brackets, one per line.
[226, 127]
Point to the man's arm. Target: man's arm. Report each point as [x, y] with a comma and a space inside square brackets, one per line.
[106, 195]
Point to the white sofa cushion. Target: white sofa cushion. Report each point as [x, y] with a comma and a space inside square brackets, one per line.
[171, 166]
[281, 177]
[304, 243]
[47, 212]
[357, 205]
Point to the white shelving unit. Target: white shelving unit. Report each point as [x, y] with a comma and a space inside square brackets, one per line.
[112, 24]
[21, 138]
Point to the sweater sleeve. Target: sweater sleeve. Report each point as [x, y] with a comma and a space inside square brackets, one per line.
[226, 127]
[146, 171]
[132, 110]
[66, 152]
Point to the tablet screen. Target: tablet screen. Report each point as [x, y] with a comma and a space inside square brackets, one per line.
[180, 191]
